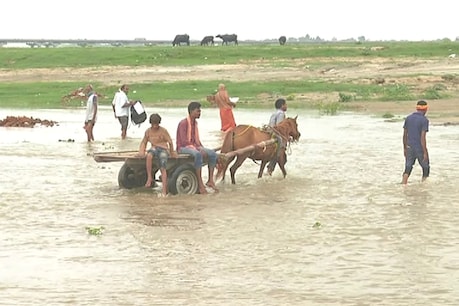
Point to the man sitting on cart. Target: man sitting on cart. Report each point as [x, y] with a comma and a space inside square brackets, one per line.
[161, 148]
[188, 142]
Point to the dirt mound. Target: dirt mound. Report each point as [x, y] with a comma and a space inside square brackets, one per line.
[23, 121]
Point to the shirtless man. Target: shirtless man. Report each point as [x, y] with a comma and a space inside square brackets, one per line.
[161, 149]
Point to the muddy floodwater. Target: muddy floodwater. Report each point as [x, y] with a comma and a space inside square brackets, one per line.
[340, 229]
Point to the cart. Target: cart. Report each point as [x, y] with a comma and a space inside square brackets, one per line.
[181, 174]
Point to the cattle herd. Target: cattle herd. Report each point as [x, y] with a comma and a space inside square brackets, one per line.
[209, 40]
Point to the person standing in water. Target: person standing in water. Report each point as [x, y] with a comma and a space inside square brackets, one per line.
[91, 111]
[121, 105]
[222, 100]
[276, 118]
[415, 129]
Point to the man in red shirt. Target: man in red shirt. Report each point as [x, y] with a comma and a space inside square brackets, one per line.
[188, 142]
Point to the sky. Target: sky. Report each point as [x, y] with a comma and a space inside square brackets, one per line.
[249, 19]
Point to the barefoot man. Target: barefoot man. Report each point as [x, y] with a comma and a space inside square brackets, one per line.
[188, 142]
[91, 111]
[161, 149]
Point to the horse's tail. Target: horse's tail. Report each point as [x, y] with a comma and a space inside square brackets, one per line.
[223, 161]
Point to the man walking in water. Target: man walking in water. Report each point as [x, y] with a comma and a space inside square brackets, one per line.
[91, 112]
[414, 141]
[276, 118]
[121, 105]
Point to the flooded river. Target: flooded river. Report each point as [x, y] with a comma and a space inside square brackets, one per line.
[339, 230]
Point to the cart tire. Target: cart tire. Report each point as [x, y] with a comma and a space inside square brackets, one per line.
[128, 178]
[183, 180]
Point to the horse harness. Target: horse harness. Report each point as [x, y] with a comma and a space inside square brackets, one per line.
[278, 135]
[275, 134]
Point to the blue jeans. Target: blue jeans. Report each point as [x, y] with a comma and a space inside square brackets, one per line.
[411, 156]
[211, 156]
[161, 155]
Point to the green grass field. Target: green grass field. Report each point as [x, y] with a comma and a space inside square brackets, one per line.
[48, 94]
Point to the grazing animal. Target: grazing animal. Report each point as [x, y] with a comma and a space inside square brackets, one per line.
[227, 38]
[282, 40]
[207, 40]
[245, 141]
[179, 39]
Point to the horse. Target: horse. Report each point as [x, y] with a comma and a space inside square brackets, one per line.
[246, 141]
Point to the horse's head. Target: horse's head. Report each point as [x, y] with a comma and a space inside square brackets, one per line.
[291, 127]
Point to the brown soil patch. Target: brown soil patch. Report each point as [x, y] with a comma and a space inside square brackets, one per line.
[22, 121]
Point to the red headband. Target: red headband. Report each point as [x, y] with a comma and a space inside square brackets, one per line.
[421, 107]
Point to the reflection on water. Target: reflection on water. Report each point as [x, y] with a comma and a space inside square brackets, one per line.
[340, 229]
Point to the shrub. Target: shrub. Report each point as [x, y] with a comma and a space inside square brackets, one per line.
[329, 108]
[345, 97]
[431, 94]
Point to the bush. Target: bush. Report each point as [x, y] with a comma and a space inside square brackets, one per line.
[345, 98]
[431, 94]
[329, 108]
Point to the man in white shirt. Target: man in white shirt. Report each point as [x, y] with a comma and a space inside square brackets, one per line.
[121, 105]
[91, 111]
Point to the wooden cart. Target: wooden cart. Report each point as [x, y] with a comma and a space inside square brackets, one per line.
[181, 174]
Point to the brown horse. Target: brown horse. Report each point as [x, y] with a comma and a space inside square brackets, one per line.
[246, 141]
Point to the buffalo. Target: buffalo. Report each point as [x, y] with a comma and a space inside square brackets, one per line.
[282, 40]
[207, 40]
[227, 38]
[179, 39]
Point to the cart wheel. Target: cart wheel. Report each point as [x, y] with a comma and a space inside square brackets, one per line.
[129, 178]
[183, 180]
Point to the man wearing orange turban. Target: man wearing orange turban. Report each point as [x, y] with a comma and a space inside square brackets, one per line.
[414, 141]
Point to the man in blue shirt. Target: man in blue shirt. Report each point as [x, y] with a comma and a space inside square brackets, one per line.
[414, 141]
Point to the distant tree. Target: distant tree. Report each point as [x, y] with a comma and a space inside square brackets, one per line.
[361, 38]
